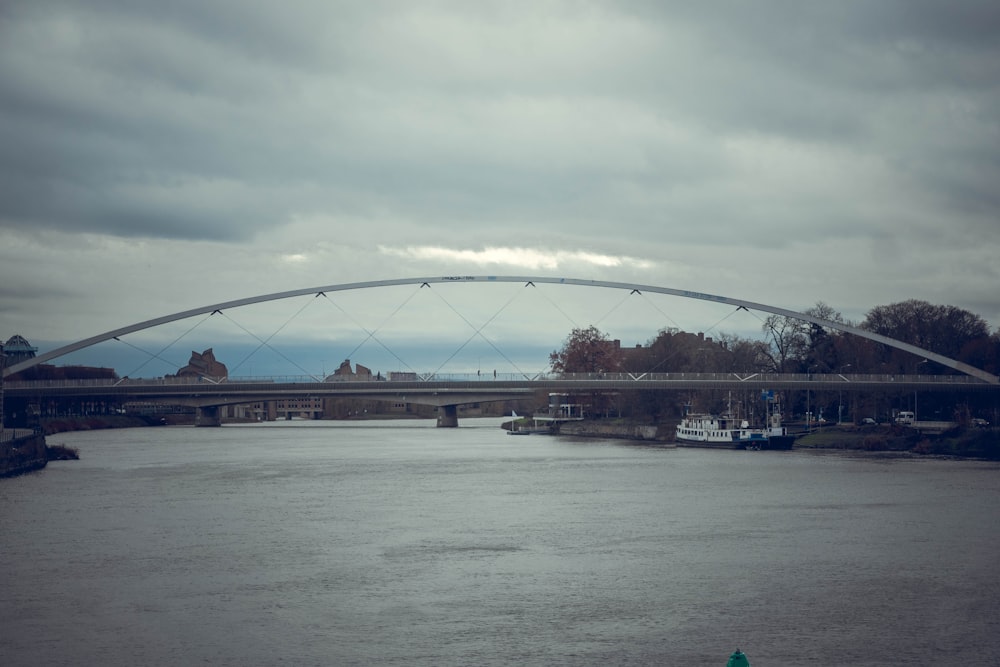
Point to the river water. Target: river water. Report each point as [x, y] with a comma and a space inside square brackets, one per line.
[397, 543]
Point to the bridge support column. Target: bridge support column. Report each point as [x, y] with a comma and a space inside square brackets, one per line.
[448, 416]
[207, 416]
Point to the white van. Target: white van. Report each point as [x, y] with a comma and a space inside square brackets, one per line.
[905, 418]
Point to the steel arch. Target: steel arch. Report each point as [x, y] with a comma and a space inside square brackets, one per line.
[750, 305]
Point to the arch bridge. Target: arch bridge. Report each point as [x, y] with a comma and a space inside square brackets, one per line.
[973, 376]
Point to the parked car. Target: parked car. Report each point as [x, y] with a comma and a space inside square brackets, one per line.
[868, 421]
[980, 423]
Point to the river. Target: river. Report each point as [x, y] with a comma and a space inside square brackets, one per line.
[397, 543]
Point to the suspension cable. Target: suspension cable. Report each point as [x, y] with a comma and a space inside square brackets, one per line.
[164, 349]
[655, 307]
[736, 310]
[711, 328]
[615, 307]
[555, 305]
[478, 331]
[151, 355]
[266, 342]
[371, 333]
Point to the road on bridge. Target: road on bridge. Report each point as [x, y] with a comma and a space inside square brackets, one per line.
[459, 389]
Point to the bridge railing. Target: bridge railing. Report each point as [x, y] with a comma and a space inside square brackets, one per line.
[11, 434]
[540, 378]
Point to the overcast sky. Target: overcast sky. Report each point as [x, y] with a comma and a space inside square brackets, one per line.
[159, 156]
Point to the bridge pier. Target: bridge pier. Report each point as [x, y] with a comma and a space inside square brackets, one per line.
[207, 416]
[448, 416]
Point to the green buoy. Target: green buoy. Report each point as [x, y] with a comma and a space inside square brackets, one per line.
[738, 659]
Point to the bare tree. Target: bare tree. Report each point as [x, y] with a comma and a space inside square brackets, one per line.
[788, 342]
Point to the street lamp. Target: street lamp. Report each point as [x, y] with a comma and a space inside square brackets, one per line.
[809, 371]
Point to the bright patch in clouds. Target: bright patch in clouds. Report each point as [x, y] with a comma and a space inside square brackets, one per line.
[528, 258]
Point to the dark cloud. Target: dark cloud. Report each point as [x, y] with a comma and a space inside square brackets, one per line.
[679, 135]
[142, 116]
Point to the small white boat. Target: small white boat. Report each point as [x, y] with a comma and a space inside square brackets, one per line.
[517, 428]
[703, 430]
[727, 432]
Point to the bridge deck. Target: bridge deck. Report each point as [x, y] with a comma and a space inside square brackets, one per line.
[453, 389]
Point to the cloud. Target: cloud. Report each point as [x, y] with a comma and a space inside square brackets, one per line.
[162, 155]
[527, 258]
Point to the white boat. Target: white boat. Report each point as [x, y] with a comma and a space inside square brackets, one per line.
[531, 430]
[705, 430]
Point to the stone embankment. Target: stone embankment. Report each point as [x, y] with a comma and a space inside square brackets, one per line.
[22, 454]
[625, 431]
[95, 423]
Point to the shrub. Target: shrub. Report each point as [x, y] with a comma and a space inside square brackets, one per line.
[61, 453]
[875, 443]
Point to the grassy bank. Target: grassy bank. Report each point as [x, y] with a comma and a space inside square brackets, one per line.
[963, 442]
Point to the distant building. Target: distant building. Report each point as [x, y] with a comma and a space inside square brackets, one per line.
[17, 349]
[204, 364]
[344, 372]
[283, 408]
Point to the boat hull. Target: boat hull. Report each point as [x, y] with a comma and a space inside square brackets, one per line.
[772, 443]
[780, 442]
[712, 432]
[707, 444]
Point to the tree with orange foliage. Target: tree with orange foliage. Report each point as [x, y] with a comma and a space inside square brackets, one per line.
[587, 351]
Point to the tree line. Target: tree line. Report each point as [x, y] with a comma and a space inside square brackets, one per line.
[791, 345]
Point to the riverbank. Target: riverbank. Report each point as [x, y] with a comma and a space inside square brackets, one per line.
[23, 454]
[979, 443]
[31, 452]
[28, 451]
[97, 423]
[960, 442]
[620, 430]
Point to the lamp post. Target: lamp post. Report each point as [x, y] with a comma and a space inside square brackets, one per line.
[809, 371]
[808, 414]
